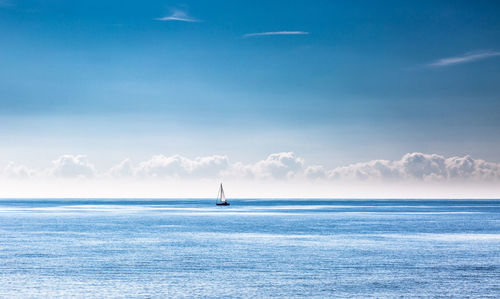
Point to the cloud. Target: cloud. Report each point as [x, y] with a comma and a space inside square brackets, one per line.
[123, 169]
[17, 171]
[284, 166]
[279, 166]
[276, 166]
[275, 33]
[315, 172]
[467, 167]
[420, 167]
[72, 166]
[160, 166]
[467, 57]
[178, 15]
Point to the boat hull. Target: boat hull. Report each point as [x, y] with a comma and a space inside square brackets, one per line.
[222, 204]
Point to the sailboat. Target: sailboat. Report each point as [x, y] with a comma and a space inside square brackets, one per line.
[221, 198]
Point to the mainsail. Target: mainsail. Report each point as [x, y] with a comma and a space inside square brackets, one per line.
[221, 196]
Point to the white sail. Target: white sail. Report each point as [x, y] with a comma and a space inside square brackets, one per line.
[221, 197]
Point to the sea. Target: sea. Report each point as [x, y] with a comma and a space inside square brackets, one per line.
[255, 248]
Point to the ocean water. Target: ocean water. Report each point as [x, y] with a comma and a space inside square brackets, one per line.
[254, 248]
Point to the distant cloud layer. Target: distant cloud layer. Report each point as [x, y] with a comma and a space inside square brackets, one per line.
[279, 166]
[275, 33]
[418, 166]
[467, 57]
[69, 166]
[178, 166]
[178, 15]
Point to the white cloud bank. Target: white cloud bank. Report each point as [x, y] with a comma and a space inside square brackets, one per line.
[418, 166]
[279, 166]
[279, 175]
[69, 166]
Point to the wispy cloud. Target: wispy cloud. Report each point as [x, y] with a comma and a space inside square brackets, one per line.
[467, 57]
[276, 33]
[178, 15]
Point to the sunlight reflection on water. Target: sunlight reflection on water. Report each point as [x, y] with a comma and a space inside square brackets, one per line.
[103, 248]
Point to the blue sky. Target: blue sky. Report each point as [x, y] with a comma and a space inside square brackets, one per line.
[363, 80]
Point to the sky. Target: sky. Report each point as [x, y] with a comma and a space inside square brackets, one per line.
[258, 93]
